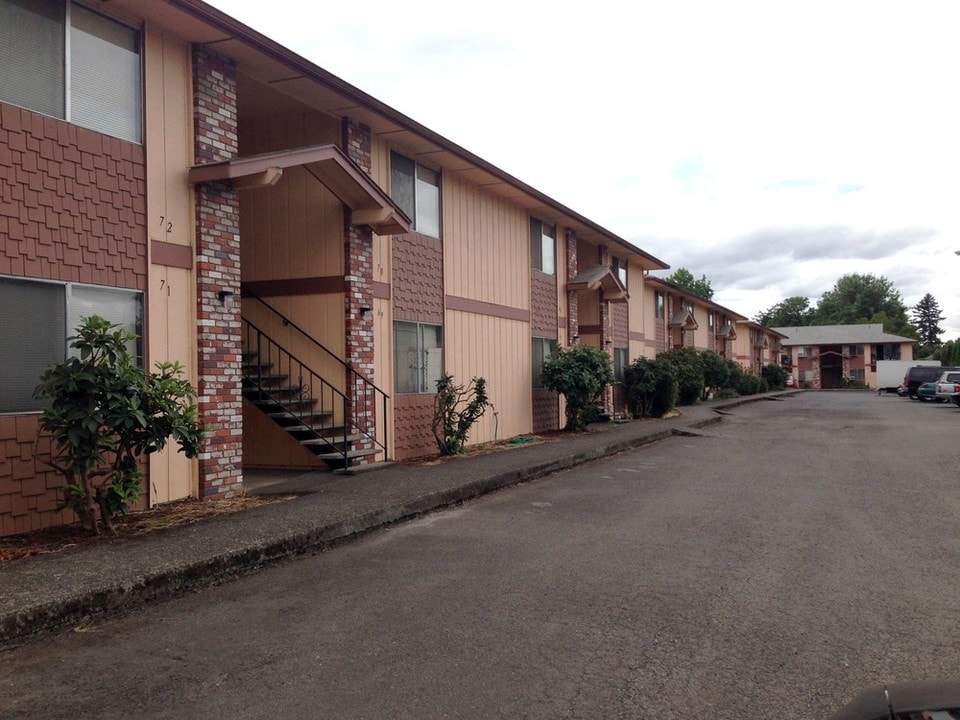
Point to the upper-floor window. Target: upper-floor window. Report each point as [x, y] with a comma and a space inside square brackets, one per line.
[710, 321]
[543, 247]
[416, 190]
[63, 60]
[856, 351]
[660, 300]
[620, 268]
[39, 316]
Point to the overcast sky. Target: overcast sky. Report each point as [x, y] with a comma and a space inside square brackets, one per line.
[770, 146]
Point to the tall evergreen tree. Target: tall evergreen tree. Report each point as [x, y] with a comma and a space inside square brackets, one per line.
[927, 317]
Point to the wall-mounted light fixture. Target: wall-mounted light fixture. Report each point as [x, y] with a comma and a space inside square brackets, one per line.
[226, 299]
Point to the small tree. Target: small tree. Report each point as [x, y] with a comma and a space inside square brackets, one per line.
[451, 424]
[689, 372]
[651, 387]
[716, 371]
[775, 376]
[580, 374]
[106, 413]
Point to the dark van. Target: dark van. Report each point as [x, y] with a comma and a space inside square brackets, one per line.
[919, 374]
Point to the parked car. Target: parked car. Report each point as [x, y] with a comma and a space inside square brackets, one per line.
[927, 391]
[947, 385]
[923, 373]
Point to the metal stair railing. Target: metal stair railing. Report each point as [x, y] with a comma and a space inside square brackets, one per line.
[360, 391]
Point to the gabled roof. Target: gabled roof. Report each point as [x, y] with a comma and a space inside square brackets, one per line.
[728, 331]
[600, 277]
[683, 319]
[862, 334]
[330, 166]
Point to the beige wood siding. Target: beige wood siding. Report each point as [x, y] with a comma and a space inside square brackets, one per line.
[486, 243]
[499, 350]
[171, 297]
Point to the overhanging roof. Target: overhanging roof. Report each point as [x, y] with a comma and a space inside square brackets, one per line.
[683, 319]
[600, 277]
[328, 164]
[281, 69]
[864, 334]
[728, 331]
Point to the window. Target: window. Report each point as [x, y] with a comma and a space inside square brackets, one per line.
[857, 375]
[805, 351]
[806, 376]
[710, 322]
[620, 268]
[37, 319]
[620, 362]
[543, 247]
[659, 299]
[856, 351]
[418, 357]
[416, 190]
[63, 60]
[543, 350]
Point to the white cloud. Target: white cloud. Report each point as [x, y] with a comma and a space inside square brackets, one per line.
[771, 146]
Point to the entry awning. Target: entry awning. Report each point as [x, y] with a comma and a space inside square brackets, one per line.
[327, 163]
[683, 319]
[727, 331]
[600, 277]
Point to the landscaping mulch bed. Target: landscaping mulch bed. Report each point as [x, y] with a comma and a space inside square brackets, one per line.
[169, 515]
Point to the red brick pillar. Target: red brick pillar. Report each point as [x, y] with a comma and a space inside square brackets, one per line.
[606, 331]
[358, 299]
[573, 322]
[218, 271]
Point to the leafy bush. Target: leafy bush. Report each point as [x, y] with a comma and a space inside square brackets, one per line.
[106, 413]
[451, 425]
[716, 371]
[749, 384]
[736, 375]
[580, 374]
[690, 373]
[775, 376]
[651, 387]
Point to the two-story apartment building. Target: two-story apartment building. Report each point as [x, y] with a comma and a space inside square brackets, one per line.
[313, 257]
[824, 356]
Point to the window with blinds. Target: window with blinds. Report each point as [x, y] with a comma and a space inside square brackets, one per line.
[37, 319]
[63, 60]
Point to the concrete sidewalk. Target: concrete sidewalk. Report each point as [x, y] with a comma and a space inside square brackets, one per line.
[43, 593]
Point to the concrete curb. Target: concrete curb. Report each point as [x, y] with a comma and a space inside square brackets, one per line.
[178, 579]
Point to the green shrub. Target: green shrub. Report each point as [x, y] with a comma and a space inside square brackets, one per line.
[690, 373]
[452, 421]
[716, 371]
[775, 376]
[736, 375]
[106, 412]
[651, 387]
[580, 374]
[749, 384]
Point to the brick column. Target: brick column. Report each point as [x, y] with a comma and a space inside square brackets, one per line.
[358, 298]
[218, 270]
[606, 332]
[573, 322]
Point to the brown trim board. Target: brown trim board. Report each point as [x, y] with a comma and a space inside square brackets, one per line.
[329, 285]
[171, 254]
[478, 307]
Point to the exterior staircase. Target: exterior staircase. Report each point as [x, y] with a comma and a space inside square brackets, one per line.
[313, 411]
